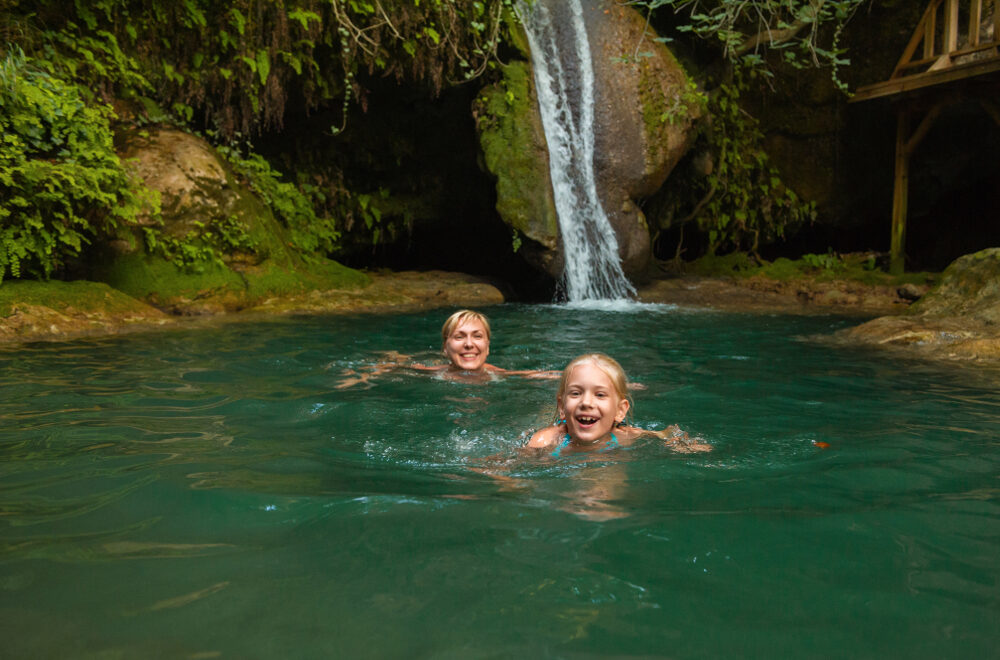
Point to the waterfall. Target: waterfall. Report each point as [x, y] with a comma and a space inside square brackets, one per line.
[564, 78]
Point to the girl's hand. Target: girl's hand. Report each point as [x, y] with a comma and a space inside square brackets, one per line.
[678, 440]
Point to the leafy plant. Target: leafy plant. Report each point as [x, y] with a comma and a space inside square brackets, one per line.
[743, 200]
[60, 179]
[310, 233]
[237, 62]
[800, 32]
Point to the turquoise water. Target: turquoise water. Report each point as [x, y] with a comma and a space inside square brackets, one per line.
[210, 493]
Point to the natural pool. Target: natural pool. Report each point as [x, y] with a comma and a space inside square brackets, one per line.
[209, 493]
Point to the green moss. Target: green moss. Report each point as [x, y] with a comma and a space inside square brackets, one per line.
[822, 268]
[80, 295]
[161, 283]
[783, 269]
[734, 264]
[513, 146]
[322, 275]
[158, 281]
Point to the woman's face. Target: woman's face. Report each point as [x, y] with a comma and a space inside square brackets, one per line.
[590, 403]
[468, 346]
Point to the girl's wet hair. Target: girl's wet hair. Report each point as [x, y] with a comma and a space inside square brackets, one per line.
[605, 363]
[460, 317]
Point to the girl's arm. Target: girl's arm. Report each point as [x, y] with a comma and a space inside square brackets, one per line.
[673, 436]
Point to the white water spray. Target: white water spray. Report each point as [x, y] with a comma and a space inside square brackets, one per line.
[565, 83]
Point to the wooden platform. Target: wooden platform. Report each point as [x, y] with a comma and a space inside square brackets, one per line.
[953, 56]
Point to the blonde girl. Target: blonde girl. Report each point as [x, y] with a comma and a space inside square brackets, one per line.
[592, 405]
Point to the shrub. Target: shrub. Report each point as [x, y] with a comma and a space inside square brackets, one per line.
[60, 179]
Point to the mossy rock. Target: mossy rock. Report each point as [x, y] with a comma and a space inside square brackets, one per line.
[216, 288]
[32, 310]
[515, 152]
[969, 287]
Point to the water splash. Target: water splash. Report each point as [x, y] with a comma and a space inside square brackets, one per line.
[564, 78]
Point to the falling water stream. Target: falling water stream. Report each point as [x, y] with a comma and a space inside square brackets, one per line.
[564, 78]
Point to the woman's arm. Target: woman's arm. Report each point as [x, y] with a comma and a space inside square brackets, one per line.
[529, 373]
[389, 361]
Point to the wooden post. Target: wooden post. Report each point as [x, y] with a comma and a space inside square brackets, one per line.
[897, 258]
[975, 16]
[950, 26]
[929, 29]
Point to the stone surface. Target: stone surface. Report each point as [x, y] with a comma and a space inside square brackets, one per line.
[199, 192]
[958, 319]
[45, 311]
[765, 295]
[644, 114]
[514, 150]
[59, 311]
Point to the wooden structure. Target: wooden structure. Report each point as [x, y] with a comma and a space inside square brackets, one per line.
[953, 55]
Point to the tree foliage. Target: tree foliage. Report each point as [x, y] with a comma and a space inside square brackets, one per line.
[745, 202]
[800, 32]
[60, 180]
[238, 62]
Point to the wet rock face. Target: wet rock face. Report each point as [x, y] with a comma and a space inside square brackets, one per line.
[644, 116]
[514, 150]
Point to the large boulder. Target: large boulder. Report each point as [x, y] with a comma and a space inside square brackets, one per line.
[644, 115]
[958, 319]
[643, 124]
[969, 288]
[204, 205]
[514, 150]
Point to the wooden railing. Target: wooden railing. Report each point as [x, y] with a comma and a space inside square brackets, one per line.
[951, 32]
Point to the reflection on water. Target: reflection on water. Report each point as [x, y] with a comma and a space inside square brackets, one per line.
[213, 493]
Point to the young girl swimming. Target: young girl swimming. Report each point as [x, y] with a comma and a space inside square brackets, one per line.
[593, 404]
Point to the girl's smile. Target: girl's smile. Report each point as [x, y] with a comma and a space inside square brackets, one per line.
[591, 405]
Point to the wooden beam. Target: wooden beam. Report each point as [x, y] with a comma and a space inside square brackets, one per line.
[918, 36]
[900, 193]
[923, 127]
[996, 21]
[926, 79]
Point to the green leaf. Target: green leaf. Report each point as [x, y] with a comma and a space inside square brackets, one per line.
[263, 65]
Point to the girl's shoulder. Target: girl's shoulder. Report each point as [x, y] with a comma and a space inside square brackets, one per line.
[547, 437]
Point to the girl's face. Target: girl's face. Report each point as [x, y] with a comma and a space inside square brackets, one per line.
[590, 404]
[468, 346]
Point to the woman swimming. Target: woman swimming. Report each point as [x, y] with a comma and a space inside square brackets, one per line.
[465, 342]
[592, 404]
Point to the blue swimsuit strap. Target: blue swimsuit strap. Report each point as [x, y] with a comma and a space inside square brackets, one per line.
[612, 444]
